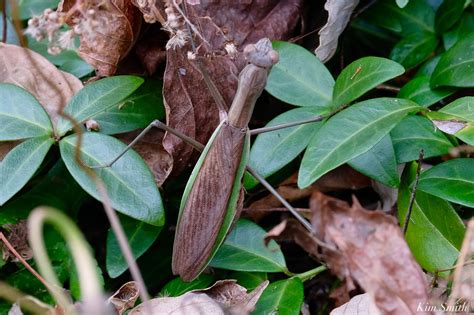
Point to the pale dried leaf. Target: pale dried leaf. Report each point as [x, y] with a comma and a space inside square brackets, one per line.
[450, 127]
[15, 310]
[31, 71]
[339, 14]
[224, 297]
[125, 297]
[361, 304]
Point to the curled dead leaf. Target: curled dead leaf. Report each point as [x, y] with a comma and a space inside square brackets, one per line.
[125, 297]
[31, 71]
[339, 14]
[361, 304]
[371, 250]
[224, 297]
[108, 34]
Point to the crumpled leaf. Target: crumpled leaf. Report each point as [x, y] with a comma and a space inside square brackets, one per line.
[361, 304]
[224, 297]
[369, 249]
[125, 297]
[31, 71]
[110, 40]
[190, 107]
[339, 15]
[17, 235]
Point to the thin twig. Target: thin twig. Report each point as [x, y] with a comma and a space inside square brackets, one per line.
[3, 6]
[23, 261]
[387, 87]
[413, 192]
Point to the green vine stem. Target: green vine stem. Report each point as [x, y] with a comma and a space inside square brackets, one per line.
[93, 300]
[310, 274]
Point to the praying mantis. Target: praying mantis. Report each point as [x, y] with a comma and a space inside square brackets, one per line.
[213, 196]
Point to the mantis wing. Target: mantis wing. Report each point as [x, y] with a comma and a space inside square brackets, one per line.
[209, 203]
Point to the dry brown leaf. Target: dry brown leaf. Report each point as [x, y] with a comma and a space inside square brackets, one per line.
[339, 14]
[190, 107]
[361, 304]
[371, 250]
[224, 297]
[110, 41]
[31, 71]
[125, 297]
[17, 235]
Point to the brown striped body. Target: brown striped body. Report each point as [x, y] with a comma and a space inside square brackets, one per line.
[207, 202]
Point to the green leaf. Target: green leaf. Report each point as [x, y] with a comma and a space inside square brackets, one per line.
[67, 60]
[129, 182]
[44, 193]
[435, 231]
[284, 297]
[177, 287]
[462, 107]
[414, 133]
[96, 98]
[379, 163]
[350, 133]
[419, 91]
[363, 75]
[20, 164]
[136, 111]
[29, 8]
[299, 78]
[244, 253]
[428, 67]
[414, 49]
[447, 14]
[21, 115]
[140, 236]
[462, 29]
[273, 150]
[456, 65]
[452, 180]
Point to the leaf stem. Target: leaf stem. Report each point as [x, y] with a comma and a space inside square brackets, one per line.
[310, 274]
[413, 193]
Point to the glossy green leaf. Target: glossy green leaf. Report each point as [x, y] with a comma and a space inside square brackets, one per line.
[21, 115]
[428, 67]
[129, 182]
[273, 150]
[456, 65]
[44, 193]
[350, 133]
[414, 133]
[419, 91]
[20, 164]
[462, 29]
[447, 14]
[462, 107]
[363, 75]
[136, 111]
[67, 60]
[244, 253]
[284, 297]
[299, 78]
[177, 287]
[435, 231]
[414, 49]
[140, 236]
[249, 280]
[379, 163]
[452, 180]
[29, 8]
[98, 97]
